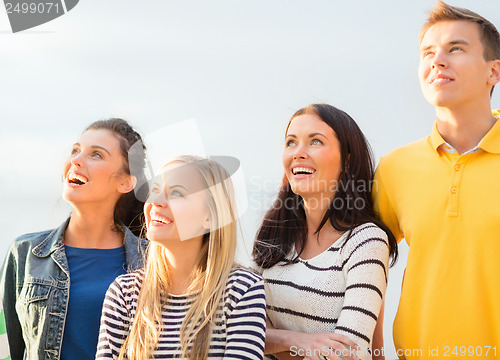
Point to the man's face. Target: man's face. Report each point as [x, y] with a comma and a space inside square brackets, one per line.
[452, 70]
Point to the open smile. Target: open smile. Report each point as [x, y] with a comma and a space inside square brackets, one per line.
[159, 220]
[75, 179]
[302, 171]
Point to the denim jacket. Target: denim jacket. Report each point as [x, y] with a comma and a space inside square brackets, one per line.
[35, 291]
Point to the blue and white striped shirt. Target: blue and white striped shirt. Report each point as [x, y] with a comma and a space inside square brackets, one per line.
[238, 333]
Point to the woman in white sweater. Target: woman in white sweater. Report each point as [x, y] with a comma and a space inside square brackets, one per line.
[191, 301]
[321, 248]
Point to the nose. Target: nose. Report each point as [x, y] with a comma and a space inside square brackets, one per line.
[158, 199]
[300, 153]
[439, 60]
[77, 160]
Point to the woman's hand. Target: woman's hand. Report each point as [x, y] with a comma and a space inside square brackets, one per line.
[287, 344]
[324, 345]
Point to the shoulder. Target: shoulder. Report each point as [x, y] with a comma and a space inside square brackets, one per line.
[133, 278]
[401, 155]
[40, 243]
[128, 284]
[133, 241]
[245, 291]
[33, 238]
[242, 280]
[244, 276]
[366, 235]
[368, 231]
[23, 244]
[136, 249]
[402, 166]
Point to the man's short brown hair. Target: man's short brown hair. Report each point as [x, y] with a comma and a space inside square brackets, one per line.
[490, 38]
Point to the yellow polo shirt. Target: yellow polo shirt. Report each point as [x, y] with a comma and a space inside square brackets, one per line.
[447, 207]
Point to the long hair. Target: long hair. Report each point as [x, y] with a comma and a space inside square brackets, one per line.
[128, 209]
[210, 275]
[285, 222]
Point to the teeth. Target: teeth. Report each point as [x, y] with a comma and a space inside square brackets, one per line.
[302, 169]
[77, 177]
[160, 219]
[440, 80]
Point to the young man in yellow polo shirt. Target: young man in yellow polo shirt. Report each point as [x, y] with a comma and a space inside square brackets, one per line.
[442, 194]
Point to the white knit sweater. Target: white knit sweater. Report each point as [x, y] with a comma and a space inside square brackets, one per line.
[338, 291]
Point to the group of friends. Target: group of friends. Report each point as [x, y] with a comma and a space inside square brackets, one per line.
[140, 272]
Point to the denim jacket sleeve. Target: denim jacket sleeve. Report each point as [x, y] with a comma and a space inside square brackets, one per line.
[34, 288]
[9, 297]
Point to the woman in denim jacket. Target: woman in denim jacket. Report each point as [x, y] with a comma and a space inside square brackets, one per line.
[54, 282]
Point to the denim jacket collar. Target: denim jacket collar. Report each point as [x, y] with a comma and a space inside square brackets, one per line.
[133, 247]
[55, 241]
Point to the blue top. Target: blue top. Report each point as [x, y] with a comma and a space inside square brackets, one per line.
[91, 273]
[35, 290]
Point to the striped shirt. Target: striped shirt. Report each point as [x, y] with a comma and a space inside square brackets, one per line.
[238, 333]
[338, 291]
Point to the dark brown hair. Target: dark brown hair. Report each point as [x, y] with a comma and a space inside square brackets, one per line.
[128, 209]
[285, 222]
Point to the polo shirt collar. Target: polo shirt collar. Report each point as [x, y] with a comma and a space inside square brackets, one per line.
[436, 138]
[490, 142]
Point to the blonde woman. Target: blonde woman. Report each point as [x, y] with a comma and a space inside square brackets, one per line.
[191, 301]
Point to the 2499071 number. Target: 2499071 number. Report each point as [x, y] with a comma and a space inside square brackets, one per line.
[472, 351]
[32, 8]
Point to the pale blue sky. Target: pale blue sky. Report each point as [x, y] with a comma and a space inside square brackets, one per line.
[240, 68]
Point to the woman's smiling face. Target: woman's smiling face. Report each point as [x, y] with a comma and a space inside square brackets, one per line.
[312, 158]
[177, 208]
[94, 171]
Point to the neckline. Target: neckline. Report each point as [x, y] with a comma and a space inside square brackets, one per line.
[81, 249]
[340, 239]
[184, 296]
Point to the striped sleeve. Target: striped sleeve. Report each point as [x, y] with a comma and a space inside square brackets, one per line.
[114, 323]
[246, 323]
[366, 281]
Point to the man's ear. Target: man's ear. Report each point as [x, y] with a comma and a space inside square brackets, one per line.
[494, 77]
[127, 183]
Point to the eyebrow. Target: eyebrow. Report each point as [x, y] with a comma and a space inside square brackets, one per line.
[453, 42]
[310, 135]
[171, 187]
[180, 186]
[94, 147]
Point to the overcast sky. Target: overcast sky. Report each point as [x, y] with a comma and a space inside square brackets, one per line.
[240, 68]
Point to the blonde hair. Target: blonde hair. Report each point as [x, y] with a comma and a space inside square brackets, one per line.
[210, 276]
